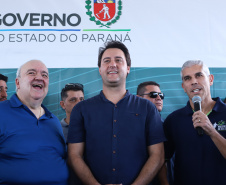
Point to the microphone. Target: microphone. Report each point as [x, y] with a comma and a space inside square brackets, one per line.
[197, 106]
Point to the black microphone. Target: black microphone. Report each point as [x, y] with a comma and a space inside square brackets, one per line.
[197, 106]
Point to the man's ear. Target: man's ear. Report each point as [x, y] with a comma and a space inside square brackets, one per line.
[99, 71]
[128, 69]
[211, 78]
[62, 104]
[17, 83]
[182, 85]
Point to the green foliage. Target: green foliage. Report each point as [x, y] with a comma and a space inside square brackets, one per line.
[89, 13]
[98, 22]
[88, 7]
[88, 2]
[92, 19]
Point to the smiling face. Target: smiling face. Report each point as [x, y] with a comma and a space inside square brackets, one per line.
[3, 90]
[196, 82]
[33, 82]
[157, 101]
[113, 68]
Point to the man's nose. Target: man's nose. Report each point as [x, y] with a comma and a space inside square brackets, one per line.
[112, 63]
[158, 97]
[39, 76]
[194, 81]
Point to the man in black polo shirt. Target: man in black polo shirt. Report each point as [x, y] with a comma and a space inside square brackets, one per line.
[199, 158]
[115, 137]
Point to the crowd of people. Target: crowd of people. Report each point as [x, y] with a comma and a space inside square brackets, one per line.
[115, 137]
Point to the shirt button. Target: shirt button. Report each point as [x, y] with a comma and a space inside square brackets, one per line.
[114, 152]
[115, 120]
[137, 114]
[113, 169]
[114, 135]
[115, 106]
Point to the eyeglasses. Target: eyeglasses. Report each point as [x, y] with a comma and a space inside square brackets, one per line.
[154, 95]
[70, 85]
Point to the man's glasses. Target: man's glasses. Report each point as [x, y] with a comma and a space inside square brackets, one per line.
[71, 85]
[154, 95]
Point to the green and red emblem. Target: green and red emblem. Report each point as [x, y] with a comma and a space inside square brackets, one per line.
[104, 12]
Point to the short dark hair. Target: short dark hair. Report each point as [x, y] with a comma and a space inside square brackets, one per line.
[4, 78]
[114, 44]
[141, 87]
[71, 87]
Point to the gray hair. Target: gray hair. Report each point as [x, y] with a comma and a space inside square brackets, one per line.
[18, 72]
[190, 63]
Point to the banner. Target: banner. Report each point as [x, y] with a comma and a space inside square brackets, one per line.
[160, 35]
[67, 34]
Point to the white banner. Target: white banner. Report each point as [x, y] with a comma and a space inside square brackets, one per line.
[68, 34]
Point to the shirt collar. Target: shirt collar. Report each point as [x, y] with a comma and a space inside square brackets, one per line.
[218, 107]
[63, 123]
[15, 102]
[105, 99]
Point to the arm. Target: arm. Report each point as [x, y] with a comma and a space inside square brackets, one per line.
[207, 126]
[162, 175]
[220, 142]
[75, 160]
[153, 164]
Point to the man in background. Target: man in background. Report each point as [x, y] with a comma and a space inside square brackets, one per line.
[197, 138]
[3, 87]
[71, 94]
[33, 149]
[150, 90]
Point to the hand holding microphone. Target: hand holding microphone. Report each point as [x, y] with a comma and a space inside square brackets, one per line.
[197, 107]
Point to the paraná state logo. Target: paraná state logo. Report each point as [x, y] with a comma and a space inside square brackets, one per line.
[104, 12]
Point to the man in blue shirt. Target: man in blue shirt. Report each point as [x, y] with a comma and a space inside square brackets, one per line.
[115, 137]
[33, 149]
[199, 158]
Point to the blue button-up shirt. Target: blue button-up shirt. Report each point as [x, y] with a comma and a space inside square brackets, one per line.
[116, 136]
